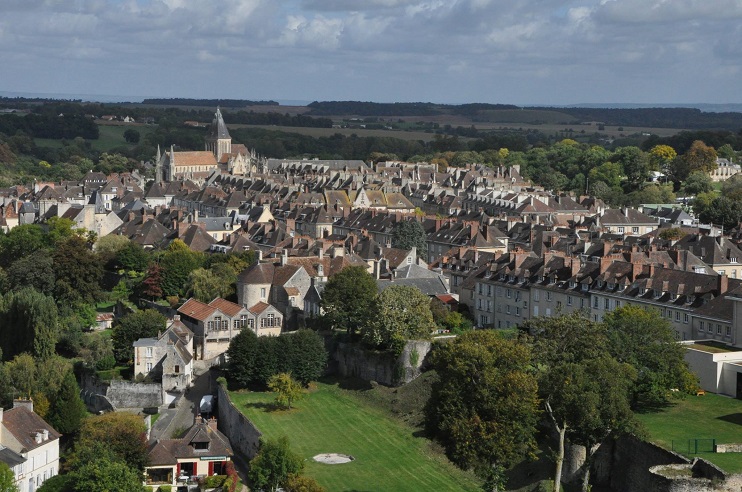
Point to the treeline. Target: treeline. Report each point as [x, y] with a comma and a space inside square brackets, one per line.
[683, 140]
[326, 108]
[229, 103]
[278, 119]
[49, 125]
[654, 117]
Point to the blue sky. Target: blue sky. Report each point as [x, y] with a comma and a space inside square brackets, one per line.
[500, 51]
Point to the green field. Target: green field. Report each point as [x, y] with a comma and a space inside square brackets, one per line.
[700, 417]
[361, 132]
[333, 420]
[111, 136]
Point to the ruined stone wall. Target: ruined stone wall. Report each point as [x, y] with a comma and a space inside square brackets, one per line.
[383, 367]
[242, 433]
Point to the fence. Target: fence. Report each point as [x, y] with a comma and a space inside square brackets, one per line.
[694, 446]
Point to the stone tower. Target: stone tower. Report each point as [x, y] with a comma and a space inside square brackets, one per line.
[218, 142]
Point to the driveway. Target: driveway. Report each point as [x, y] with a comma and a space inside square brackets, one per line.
[182, 417]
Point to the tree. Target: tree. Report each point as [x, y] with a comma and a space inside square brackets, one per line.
[177, 264]
[561, 345]
[610, 173]
[241, 356]
[124, 435]
[132, 327]
[700, 157]
[645, 340]
[409, 234]
[7, 479]
[287, 388]
[151, 285]
[732, 188]
[727, 152]
[35, 270]
[28, 323]
[671, 234]
[402, 313]
[635, 165]
[698, 182]
[104, 474]
[307, 356]
[78, 271]
[274, 464]
[661, 158]
[722, 211]
[20, 241]
[484, 405]
[132, 257]
[22, 372]
[301, 483]
[348, 298]
[131, 136]
[67, 409]
[587, 401]
[205, 286]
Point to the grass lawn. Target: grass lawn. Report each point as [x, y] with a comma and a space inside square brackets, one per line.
[110, 137]
[333, 420]
[700, 417]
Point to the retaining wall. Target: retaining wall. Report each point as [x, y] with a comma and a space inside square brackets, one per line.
[104, 396]
[383, 367]
[241, 432]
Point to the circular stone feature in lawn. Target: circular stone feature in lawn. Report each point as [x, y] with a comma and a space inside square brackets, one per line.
[333, 458]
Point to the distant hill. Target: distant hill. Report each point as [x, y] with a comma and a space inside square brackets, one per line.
[705, 107]
[225, 103]
[359, 108]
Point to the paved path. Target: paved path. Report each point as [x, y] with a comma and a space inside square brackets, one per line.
[186, 409]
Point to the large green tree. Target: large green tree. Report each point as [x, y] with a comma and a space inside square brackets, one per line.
[408, 234]
[698, 182]
[28, 323]
[402, 313]
[123, 434]
[484, 405]
[274, 464]
[241, 356]
[348, 299]
[20, 241]
[645, 340]
[78, 272]
[306, 354]
[721, 211]
[35, 270]
[132, 327]
[67, 408]
[177, 263]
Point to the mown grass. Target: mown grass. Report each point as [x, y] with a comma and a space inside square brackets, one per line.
[700, 417]
[388, 456]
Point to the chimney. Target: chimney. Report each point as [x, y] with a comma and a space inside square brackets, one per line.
[723, 284]
[22, 402]
[284, 257]
[377, 268]
[636, 269]
[338, 252]
[652, 268]
[212, 423]
[473, 229]
[575, 264]
[605, 262]
[45, 434]
[321, 253]
[438, 223]
[260, 255]
[176, 317]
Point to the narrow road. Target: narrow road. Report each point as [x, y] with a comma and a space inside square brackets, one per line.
[178, 419]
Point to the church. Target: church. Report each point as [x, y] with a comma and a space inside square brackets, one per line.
[219, 155]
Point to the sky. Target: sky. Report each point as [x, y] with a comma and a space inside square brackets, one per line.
[525, 52]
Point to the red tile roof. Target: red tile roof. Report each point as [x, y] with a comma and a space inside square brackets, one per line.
[227, 307]
[196, 309]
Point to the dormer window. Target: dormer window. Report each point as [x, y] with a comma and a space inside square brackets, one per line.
[600, 284]
[611, 286]
[201, 446]
[571, 284]
[585, 287]
[733, 259]
[642, 291]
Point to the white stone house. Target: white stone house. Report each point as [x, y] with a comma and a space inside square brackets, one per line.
[29, 445]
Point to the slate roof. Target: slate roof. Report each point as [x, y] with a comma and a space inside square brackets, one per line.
[168, 451]
[23, 424]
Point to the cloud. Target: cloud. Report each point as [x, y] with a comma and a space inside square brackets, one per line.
[445, 50]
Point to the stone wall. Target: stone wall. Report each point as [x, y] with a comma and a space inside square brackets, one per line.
[700, 476]
[114, 395]
[729, 448]
[383, 367]
[624, 464]
[242, 433]
[125, 394]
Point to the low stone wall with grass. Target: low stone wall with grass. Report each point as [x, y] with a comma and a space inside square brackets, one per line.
[729, 448]
[354, 360]
[242, 433]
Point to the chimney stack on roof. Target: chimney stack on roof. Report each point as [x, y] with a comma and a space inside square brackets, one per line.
[723, 284]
